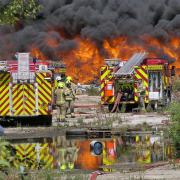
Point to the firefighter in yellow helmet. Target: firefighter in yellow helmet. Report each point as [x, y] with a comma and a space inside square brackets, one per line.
[70, 96]
[60, 101]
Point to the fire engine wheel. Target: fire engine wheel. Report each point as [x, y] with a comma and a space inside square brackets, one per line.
[46, 120]
[110, 107]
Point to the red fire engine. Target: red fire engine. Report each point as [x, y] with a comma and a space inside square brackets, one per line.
[126, 76]
[26, 87]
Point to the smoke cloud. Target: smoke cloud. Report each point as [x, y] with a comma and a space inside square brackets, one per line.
[62, 21]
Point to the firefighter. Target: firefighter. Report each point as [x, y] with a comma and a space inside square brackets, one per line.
[142, 93]
[70, 96]
[60, 101]
[58, 80]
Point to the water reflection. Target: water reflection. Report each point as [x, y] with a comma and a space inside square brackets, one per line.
[63, 154]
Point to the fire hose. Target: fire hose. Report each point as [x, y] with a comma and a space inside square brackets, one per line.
[117, 101]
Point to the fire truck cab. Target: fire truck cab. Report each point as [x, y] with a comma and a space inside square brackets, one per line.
[121, 81]
[26, 88]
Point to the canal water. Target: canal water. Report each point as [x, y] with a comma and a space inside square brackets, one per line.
[88, 154]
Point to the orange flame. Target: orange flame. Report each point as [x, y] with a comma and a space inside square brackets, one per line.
[83, 62]
[35, 52]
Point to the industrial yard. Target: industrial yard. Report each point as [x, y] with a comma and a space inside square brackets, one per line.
[89, 89]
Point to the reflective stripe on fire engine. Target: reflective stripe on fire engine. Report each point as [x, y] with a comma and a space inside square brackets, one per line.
[26, 154]
[23, 100]
[4, 94]
[17, 99]
[106, 75]
[45, 156]
[135, 92]
[29, 101]
[44, 93]
[155, 67]
[140, 73]
[33, 152]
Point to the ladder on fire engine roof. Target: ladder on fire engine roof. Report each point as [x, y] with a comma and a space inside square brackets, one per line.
[135, 60]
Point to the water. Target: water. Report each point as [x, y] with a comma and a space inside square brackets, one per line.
[71, 154]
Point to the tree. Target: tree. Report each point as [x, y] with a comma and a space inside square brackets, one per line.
[175, 126]
[12, 11]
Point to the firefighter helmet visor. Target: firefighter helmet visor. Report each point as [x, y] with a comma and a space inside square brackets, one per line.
[58, 78]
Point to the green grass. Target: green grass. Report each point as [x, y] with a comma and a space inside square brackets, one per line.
[174, 130]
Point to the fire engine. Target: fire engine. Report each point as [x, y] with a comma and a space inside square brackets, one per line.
[154, 73]
[26, 87]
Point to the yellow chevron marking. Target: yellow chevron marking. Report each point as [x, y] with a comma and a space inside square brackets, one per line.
[32, 106]
[5, 93]
[19, 100]
[18, 111]
[44, 92]
[145, 83]
[143, 73]
[42, 81]
[105, 74]
[26, 111]
[5, 112]
[31, 147]
[30, 91]
[102, 94]
[47, 89]
[42, 111]
[2, 86]
[48, 162]
[112, 100]
[30, 101]
[138, 77]
[102, 68]
[4, 105]
[5, 80]
[42, 97]
[102, 85]
[1, 75]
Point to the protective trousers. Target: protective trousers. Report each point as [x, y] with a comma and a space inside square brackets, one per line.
[61, 112]
[70, 107]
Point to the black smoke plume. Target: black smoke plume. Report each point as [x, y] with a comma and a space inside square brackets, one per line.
[62, 20]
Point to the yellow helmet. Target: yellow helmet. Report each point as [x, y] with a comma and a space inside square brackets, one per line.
[69, 78]
[61, 85]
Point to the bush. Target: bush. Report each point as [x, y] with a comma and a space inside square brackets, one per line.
[176, 85]
[175, 126]
[93, 91]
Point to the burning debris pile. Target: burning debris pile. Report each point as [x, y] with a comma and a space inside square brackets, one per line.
[83, 33]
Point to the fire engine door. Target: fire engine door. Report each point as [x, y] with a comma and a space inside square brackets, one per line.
[23, 100]
[155, 85]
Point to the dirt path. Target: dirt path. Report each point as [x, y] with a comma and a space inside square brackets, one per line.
[167, 172]
[87, 114]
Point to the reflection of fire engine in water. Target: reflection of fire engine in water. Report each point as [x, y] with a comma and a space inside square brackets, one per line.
[86, 159]
[26, 87]
[56, 154]
[139, 81]
[109, 153]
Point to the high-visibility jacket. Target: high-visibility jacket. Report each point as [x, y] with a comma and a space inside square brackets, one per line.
[60, 96]
[70, 95]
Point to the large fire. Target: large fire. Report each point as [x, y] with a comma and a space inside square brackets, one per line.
[84, 61]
